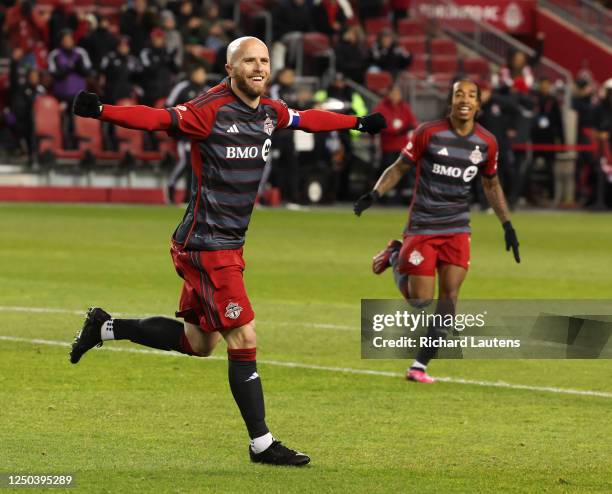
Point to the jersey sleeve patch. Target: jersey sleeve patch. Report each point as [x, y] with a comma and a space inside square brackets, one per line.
[409, 150]
[191, 122]
[294, 118]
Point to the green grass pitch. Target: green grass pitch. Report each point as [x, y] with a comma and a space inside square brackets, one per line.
[145, 422]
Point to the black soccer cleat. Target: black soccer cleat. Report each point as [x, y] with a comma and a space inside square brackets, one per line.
[277, 454]
[89, 336]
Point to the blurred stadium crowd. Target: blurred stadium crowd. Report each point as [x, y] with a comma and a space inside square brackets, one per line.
[352, 56]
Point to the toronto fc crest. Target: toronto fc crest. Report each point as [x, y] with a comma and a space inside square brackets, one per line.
[268, 126]
[476, 156]
[233, 310]
[416, 258]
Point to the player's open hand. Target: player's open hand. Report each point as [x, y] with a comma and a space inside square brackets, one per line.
[511, 240]
[87, 105]
[365, 201]
[372, 124]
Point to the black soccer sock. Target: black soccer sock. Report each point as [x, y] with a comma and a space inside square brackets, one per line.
[247, 390]
[155, 332]
[425, 354]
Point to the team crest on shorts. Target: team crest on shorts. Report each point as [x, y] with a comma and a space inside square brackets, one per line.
[476, 156]
[268, 126]
[416, 258]
[233, 310]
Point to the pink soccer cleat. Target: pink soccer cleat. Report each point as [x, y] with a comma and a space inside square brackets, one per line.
[380, 261]
[419, 376]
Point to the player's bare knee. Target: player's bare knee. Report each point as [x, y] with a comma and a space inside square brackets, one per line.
[209, 344]
[200, 349]
[249, 337]
[449, 294]
[242, 337]
[202, 344]
[203, 352]
[420, 298]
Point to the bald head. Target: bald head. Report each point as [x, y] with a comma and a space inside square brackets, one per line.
[239, 45]
[248, 66]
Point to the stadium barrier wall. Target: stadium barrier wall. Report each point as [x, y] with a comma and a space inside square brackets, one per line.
[116, 195]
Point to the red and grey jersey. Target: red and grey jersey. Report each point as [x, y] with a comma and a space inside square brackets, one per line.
[230, 145]
[446, 163]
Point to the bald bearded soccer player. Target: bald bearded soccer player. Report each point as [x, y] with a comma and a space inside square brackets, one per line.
[230, 128]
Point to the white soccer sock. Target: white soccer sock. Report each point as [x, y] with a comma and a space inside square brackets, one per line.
[106, 332]
[261, 443]
[418, 365]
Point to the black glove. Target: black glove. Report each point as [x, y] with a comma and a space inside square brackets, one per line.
[511, 240]
[87, 105]
[365, 201]
[372, 124]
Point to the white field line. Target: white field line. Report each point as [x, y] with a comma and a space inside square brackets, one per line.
[341, 370]
[50, 310]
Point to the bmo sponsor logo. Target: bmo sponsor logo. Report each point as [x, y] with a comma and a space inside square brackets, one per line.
[453, 171]
[248, 152]
[241, 153]
[265, 149]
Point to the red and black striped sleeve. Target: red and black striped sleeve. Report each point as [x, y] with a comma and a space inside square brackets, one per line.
[193, 123]
[195, 119]
[488, 168]
[414, 147]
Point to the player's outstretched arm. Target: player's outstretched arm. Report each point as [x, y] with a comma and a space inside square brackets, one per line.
[389, 179]
[138, 117]
[495, 196]
[325, 121]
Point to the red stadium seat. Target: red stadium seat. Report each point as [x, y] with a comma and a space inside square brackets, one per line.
[443, 81]
[476, 66]
[4, 89]
[411, 27]
[165, 144]
[443, 47]
[209, 55]
[88, 132]
[444, 65]
[315, 48]
[131, 141]
[315, 44]
[251, 7]
[379, 82]
[377, 24]
[418, 67]
[167, 147]
[47, 129]
[415, 45]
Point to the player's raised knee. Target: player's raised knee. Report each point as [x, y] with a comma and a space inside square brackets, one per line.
[201, 349]
[203, 352]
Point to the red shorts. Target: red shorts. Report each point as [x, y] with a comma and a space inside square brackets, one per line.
[213, 295]
[420, 255]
